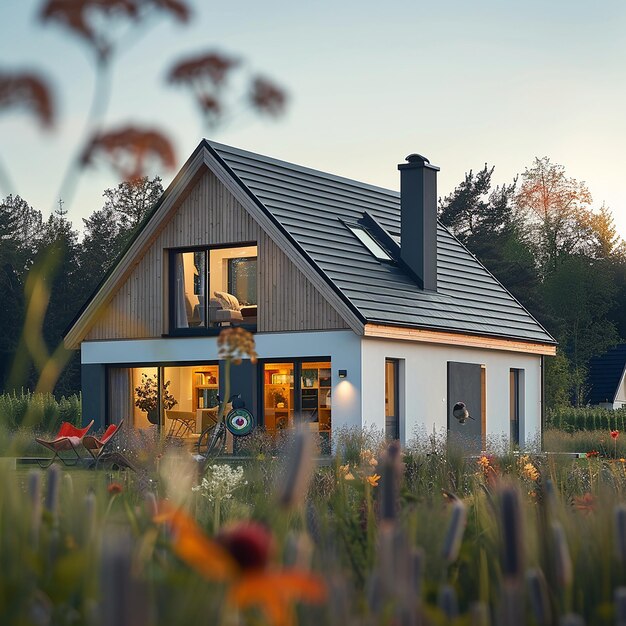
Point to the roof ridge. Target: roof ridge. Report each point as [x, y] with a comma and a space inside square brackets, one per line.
[302, 168]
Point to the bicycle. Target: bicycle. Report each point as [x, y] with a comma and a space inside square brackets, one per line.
[212, 440]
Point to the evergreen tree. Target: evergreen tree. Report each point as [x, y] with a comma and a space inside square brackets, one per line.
[20, 230]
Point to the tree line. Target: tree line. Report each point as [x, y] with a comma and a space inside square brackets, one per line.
[70, 267]
[538, 235]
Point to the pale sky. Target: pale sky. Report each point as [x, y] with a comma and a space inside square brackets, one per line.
[461, 82]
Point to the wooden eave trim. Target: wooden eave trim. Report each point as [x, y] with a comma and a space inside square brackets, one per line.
[457, 339]
[279, 237]
[123, 269]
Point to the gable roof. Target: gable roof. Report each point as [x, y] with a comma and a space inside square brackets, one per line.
[312, 207]
[306, 212]
[605, 374]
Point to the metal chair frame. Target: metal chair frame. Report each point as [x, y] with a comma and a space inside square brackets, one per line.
[63, 443]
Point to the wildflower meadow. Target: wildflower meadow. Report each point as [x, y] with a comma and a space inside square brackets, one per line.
[375, 535]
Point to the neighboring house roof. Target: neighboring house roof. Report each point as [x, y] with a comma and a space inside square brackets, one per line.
[605, 374]
[310, 205]
[308, 210]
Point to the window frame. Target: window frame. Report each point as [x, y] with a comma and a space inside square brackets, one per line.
[197, 331]
[297, 379]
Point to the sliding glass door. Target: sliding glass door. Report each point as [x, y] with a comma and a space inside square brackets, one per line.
[298, 392]
[147, 396]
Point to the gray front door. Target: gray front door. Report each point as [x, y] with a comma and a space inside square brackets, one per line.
[465, 385]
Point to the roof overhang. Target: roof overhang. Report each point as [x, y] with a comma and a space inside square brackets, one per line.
[423, 335]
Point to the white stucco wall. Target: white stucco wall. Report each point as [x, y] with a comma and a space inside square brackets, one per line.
[423, 386]
[342, 346]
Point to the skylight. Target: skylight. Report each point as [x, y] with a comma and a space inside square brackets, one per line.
[370, 243]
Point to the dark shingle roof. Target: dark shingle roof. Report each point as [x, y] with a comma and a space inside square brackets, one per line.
[310, 204]
[605, 374]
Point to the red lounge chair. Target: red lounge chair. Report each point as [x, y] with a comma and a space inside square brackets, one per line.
[68, 438]
[98, 447]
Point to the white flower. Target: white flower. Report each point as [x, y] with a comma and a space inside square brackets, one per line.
[220, 482]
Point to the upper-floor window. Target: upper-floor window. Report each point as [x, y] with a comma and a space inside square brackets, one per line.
[211, 288]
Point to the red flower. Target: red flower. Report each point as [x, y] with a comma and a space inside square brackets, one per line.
[614, 434]
[248, 543]
[115, 488]
[585, 503]
[592, 454]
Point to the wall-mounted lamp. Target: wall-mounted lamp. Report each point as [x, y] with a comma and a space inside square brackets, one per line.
[343, 373]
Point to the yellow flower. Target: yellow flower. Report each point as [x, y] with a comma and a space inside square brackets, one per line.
[349, 476]
[530, 471]
[344, 469]
[622, 460]
[373, 479]
[483, 462]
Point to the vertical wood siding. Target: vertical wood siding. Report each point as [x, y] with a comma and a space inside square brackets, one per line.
[210, 215]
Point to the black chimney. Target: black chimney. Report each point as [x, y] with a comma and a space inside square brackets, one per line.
[418, 229]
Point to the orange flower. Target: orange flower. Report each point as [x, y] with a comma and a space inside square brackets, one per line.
[531, 472]
[275, 591]
[614, 434]
[373, 480]
[191, 545]
[484, 462]
[585, 503]
[115, 488]
[240, 557]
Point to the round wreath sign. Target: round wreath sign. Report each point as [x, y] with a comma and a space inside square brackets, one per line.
[240, 422]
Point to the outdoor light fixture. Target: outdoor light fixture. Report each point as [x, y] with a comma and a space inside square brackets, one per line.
[343, 373]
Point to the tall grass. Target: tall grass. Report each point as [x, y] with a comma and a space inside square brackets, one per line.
[585, 441]
[437, 539]
[586, 418]
[40, 411]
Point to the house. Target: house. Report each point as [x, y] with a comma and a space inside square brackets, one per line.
[366, 310]
[607, 379]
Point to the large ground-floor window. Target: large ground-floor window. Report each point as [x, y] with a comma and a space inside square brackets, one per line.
[296, 392]
[178, 398]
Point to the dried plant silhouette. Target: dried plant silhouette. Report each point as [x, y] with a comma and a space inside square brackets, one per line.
[106, 29]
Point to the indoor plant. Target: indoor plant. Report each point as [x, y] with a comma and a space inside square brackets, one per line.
[147, 397]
